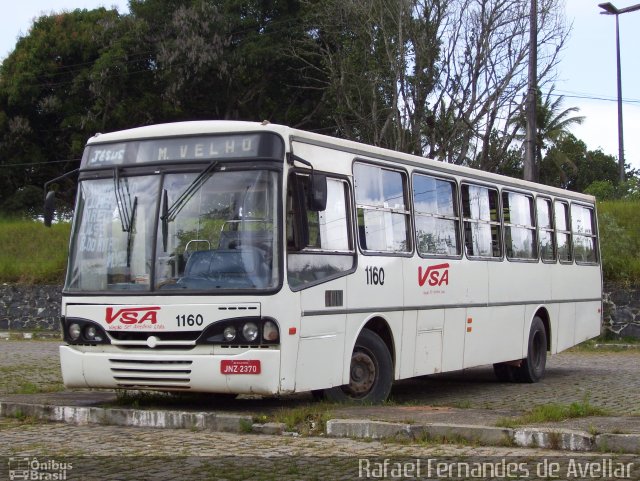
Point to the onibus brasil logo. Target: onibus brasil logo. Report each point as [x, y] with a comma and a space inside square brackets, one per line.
[25, 468]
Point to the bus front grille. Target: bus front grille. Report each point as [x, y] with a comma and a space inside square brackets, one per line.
[151, 374]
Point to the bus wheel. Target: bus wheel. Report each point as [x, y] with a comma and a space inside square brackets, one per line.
[371, 372]
[533, 366]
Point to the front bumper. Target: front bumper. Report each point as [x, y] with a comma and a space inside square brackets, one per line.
[168, 372]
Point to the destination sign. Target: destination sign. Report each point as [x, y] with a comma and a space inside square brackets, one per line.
[184, 148]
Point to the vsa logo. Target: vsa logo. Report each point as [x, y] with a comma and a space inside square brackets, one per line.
[132, 315]
[434, 275]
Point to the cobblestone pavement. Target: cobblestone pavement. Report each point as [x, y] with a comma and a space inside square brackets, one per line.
[609, 380]
[107, 452]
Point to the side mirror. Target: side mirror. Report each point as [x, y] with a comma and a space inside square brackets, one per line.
[318, 193]
[49, 208]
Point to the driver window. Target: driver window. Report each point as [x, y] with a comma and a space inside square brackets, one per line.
[319, 244]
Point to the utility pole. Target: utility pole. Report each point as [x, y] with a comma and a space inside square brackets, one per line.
[530, 167]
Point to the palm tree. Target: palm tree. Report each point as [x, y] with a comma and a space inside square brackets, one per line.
[552, 125]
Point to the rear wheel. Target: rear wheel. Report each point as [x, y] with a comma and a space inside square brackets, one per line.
[533, 366]
[371, 372]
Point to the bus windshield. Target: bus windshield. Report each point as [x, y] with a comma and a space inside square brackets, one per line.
[209, 230]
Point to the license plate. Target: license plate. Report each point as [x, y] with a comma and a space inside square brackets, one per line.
[251, 366]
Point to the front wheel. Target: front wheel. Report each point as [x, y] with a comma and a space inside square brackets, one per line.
[533, 366]
[371, 372]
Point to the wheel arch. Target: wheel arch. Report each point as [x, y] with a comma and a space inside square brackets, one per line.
[543, 314]
[380, 326]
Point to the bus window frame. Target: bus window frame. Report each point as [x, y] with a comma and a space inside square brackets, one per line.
[551, 229]
[457, 217]
[567, 204]
[534, 228]
[499, 223]
[594, 235]
[349, 206]
[408, 209]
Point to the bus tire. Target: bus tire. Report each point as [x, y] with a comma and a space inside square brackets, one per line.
[371, 373]
[533, 366]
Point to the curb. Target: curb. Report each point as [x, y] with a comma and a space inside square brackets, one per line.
[546, 438]
[128, 417]
[28, 335]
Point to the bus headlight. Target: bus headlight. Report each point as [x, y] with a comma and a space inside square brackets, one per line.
[91, 334]
[83, 331]
[270, 331]
[74, 331]
[229, 333]
[250, 331]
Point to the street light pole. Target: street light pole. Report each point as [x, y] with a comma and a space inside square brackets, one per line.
[609, 9]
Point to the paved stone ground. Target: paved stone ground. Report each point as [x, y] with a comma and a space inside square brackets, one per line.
[609, 380]
[107, 452]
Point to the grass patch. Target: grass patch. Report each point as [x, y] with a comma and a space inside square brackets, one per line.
[306, 420]
[548, 413]
[607, 343]
[32, 253]
[33, 388]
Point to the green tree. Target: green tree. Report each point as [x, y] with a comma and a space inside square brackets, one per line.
[81, 72]
[45, 88]
[580, 167]
[552, 127]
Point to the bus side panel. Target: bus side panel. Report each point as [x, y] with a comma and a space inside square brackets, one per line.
[316, 369]
[321, 347]
[519, 282]
[406, 357]
[453, 339]
[493, 334]
[428, 342]
[566, 326]
[579, 320]
[588, 321]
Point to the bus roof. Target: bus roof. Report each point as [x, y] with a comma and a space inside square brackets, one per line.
[203, 127]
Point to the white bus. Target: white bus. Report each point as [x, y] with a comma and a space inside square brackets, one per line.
[236, 258]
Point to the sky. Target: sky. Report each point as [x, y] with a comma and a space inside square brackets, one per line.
[586, 75]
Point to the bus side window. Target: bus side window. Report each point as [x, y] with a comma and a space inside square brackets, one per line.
[546, 233]
[481, 221]
[584, 234]
[319, 242]
[436, 216]
[383, 209]
[563, 234]
[519, 226]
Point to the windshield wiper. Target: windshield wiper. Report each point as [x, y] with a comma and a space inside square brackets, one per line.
[130, 231]
[125, 209]
[169, 214]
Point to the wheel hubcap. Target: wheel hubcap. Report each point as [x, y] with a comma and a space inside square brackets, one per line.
[363, 374]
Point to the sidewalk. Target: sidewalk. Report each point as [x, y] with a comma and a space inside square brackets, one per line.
[460, 407]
